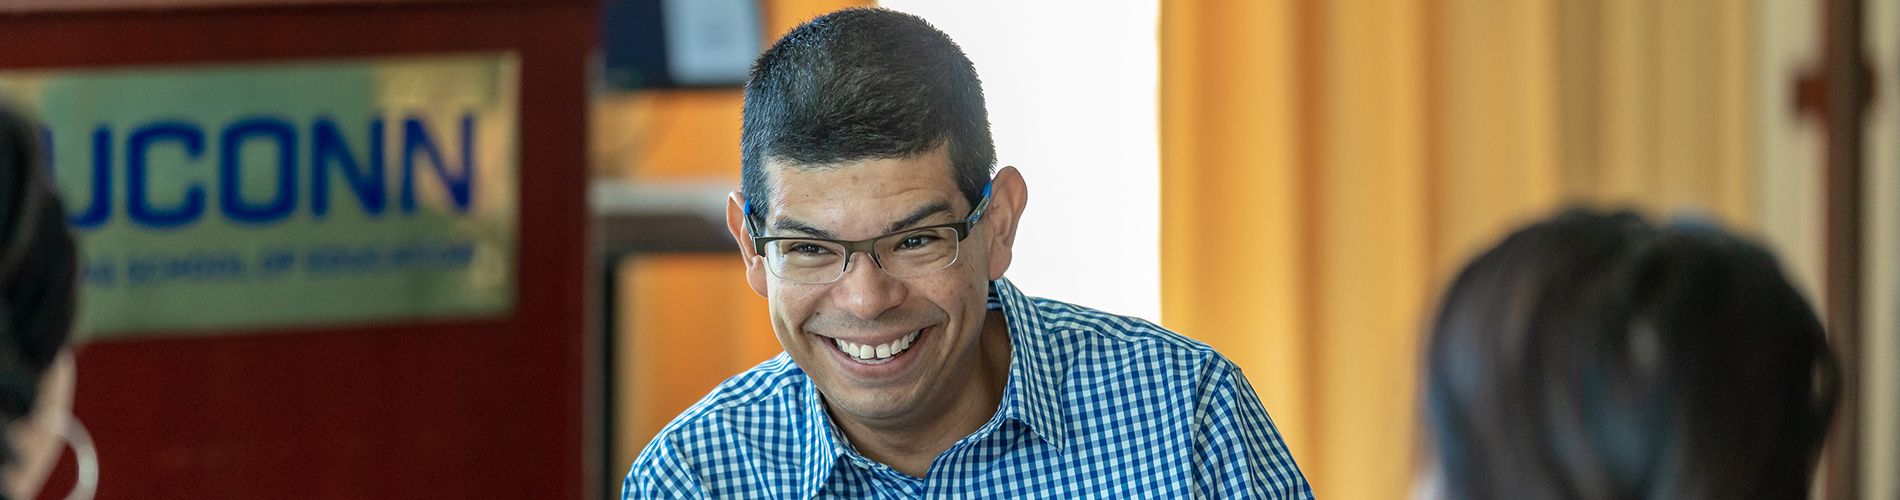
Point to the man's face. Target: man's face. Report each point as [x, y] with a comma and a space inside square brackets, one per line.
[938, 314]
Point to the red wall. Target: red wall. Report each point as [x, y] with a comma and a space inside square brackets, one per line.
[482, 409]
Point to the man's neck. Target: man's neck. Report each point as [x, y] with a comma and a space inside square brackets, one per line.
[912, 447]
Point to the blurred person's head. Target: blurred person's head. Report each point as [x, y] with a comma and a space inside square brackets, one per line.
[1597, 356]
[870, 124]
[38, 270]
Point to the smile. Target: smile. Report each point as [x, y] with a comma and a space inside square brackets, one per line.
[877, 354]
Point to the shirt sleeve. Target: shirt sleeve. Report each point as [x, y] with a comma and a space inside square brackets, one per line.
[1238, 453]
[658, 474]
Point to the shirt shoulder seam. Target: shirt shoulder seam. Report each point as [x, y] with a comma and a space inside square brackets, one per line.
[1063, 316]
[756, 384]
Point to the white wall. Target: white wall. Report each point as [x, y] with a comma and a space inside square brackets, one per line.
[1072, 91]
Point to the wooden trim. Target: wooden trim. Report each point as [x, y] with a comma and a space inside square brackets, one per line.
[1845, 71]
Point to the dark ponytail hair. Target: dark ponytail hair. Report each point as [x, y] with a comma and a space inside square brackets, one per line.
[1597, 356]
[37, 270]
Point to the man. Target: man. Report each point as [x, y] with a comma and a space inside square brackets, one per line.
[912, 369]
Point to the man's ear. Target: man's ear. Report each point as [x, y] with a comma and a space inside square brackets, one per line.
[1008, 196]
[735, 222]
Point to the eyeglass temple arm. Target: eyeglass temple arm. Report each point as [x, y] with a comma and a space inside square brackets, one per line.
[983, 204]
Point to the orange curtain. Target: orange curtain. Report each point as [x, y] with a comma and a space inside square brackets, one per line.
[1326, 166]
[1294, 208]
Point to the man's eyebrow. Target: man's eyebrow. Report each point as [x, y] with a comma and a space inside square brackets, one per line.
[800, 226]
[918, 215]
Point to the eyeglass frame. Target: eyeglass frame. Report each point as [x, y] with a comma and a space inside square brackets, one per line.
[869, 246]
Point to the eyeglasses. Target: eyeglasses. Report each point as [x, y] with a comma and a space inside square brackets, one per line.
[906, 253]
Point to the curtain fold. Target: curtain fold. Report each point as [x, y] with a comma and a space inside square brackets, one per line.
[1328, 165]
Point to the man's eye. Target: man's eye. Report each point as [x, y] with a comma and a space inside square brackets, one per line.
[808, 249]
[918, 241]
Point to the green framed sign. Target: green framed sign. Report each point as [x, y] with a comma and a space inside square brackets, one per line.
[246, 197]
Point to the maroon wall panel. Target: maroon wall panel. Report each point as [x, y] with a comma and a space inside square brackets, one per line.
[470, 409]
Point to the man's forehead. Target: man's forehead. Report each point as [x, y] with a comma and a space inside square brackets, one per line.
[875, 196]
[857, 182]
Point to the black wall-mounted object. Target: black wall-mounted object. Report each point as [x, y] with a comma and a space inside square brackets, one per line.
[679, 43]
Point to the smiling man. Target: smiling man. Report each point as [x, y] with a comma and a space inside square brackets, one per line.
[912, 368]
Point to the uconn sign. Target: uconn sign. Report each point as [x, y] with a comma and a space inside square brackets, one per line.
[315, 155]
[240, 197]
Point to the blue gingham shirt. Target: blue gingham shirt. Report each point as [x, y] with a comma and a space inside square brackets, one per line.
[1096, 406]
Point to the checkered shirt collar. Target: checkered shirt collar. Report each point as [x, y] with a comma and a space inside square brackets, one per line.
[1032, 394]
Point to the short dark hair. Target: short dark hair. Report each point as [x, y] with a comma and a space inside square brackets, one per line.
[861, 84]
[1597, 356]
[38, 270]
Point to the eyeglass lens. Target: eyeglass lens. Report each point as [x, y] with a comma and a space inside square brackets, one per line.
[903, 254]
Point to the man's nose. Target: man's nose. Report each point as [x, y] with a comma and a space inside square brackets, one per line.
[865, 290]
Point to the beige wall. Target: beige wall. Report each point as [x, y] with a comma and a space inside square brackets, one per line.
[1880, 423]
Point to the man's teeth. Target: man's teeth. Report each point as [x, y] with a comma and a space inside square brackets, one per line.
[877, 352]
